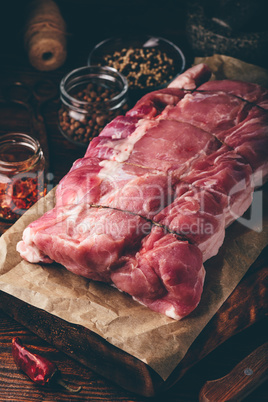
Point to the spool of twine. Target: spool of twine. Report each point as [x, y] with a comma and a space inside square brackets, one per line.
[45, 35]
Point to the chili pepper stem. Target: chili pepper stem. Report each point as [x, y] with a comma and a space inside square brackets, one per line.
[66, 386]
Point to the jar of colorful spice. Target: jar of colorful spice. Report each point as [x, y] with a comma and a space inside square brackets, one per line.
[90, 98]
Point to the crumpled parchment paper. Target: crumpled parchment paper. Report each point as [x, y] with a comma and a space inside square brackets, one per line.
[157, 340]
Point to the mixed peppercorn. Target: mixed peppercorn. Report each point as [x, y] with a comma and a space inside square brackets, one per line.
[142, 67]
[145, 67]
[86, 123]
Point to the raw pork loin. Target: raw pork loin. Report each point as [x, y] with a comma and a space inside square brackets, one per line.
[150, 200]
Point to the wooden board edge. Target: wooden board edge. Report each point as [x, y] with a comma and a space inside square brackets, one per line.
[127, 371]
[250, 309]
[85, 346]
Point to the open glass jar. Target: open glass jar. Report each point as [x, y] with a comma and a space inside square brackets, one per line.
[90, 98]
[22, 170]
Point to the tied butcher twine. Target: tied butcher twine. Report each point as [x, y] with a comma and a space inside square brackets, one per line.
[150, 200]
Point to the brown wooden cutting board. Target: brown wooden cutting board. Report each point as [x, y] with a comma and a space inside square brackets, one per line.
[246, 305]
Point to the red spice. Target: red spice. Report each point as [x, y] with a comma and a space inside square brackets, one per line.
[39, 369]
[18, 196]
[22, 166]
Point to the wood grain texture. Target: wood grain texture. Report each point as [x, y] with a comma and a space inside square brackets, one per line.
[84, 346]
[246, 305]
[15, 386]
[219, 347]
[241, 381]
[128, 372]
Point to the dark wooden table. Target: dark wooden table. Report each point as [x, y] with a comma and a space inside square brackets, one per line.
[14, 385]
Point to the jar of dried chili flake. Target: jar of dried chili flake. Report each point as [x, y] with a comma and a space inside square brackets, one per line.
[22, 166]
[91, 97]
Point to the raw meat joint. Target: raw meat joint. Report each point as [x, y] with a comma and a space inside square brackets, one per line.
[151, 199]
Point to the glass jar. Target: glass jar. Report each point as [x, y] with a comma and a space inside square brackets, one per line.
[22, 171]
[90, 98]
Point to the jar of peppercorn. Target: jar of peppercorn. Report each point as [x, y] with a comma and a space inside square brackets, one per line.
[90, 98]
[22, 171]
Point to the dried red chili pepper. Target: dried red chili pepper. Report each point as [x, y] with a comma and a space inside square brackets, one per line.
[39, 369]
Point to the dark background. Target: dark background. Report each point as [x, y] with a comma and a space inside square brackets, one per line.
[90, 21]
